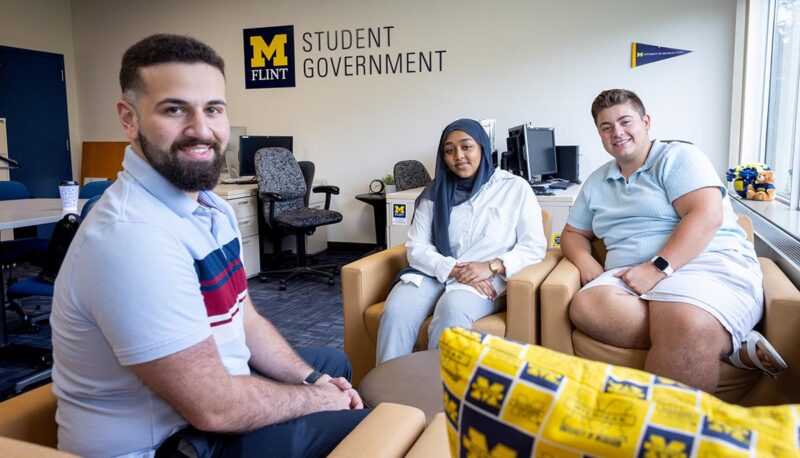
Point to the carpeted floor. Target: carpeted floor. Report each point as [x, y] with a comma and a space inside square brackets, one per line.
[308, 313]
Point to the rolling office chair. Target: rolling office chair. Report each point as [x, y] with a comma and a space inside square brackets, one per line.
[282, 188]
[20, 250]
[410, 174]
[41, 286]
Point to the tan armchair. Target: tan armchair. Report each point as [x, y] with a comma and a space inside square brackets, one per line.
[781, 324]
[28, 429]
[366, 283]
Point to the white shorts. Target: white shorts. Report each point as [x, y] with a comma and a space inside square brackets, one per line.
[725, 284]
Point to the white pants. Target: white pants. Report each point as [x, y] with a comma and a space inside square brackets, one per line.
[725, 284]
[407, 307]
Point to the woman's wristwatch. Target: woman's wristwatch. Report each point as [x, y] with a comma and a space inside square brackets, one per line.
[495, 265]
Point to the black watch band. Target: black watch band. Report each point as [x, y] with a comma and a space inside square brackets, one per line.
[312, 378]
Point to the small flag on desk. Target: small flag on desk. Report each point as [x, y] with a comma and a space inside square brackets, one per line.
[642, 54]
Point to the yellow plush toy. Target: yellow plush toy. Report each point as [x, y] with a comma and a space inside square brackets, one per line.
[763, 189]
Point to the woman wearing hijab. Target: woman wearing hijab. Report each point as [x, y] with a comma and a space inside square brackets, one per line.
[474, 227]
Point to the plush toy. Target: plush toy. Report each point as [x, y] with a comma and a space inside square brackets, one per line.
[763, 189]
[753, 180]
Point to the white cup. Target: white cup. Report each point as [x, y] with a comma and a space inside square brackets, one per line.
[68, 190]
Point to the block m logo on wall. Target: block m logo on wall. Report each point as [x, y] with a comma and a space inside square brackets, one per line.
[269, 57]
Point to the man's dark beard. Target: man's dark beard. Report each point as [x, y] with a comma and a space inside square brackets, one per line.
[186, 175]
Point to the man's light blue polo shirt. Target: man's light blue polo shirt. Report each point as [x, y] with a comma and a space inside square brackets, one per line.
[635, 218]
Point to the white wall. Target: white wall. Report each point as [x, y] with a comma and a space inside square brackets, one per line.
[46, 25]
[516, 61]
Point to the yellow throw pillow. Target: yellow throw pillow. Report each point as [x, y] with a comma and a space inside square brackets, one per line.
[507, 399]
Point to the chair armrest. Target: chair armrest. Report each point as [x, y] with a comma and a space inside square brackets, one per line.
[388, 431]
[781, 324]
[522, 302]
[328, 189]
[30, 417]
[20, 449]
[272, 196]
[433, 441]
[364, 283]
[557, 291]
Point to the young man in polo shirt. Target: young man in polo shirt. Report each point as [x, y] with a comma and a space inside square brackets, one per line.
[158, 349]
[680, 278]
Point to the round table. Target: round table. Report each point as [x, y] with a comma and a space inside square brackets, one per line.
[414, 380]
[378, 202]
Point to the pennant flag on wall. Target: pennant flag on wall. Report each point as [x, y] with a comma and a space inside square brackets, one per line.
[642, 54]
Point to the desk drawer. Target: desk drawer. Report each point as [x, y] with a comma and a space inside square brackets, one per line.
[244, 206]
[250, 257]
[248, 225]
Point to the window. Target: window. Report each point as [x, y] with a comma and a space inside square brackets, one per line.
[783, 80]
[782, 100]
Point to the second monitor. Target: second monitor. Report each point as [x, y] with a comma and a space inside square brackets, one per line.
[532, 152]
[250, 144]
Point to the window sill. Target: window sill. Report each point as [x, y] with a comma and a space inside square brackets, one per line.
[775, 212]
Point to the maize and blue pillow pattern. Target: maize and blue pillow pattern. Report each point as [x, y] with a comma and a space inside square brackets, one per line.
[507, 399]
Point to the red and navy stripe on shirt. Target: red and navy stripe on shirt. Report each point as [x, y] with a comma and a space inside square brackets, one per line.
[222, 282]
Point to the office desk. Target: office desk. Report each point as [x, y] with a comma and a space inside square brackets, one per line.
[244, 200]
[31, 212]
[400, 211]
[22, 213]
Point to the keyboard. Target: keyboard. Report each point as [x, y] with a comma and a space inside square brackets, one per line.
[541, 191]
[561, 185]
[240, 180]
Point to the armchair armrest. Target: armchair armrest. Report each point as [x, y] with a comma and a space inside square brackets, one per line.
[17, 448]
[31, 417]
[328, 190]
[388, 431]
[522, 322]
[781, 324]
[557, 291]
[366, 282]
[433, 441]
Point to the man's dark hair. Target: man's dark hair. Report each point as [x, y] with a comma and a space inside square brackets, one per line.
[611, 97]
[163, 49]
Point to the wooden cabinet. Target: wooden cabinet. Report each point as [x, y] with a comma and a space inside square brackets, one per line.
[244, 200]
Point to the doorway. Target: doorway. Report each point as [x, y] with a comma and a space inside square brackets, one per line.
[33, 101]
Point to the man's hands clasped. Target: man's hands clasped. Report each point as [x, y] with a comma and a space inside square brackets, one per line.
[340, 393]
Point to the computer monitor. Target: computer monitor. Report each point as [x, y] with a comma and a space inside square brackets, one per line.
[250, 144]
[532, 152]
[232, 150]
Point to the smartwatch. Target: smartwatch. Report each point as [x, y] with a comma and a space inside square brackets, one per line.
[662, 265]
[312, 378]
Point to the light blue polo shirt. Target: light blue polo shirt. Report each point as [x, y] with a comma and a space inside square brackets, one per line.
[150, 273]
[635, 218]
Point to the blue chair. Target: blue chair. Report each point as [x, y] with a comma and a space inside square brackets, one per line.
[21, 250]
[94, 188]
[39, 287]
[24, 249]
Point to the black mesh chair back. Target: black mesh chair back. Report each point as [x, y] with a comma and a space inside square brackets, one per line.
[410, 174]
